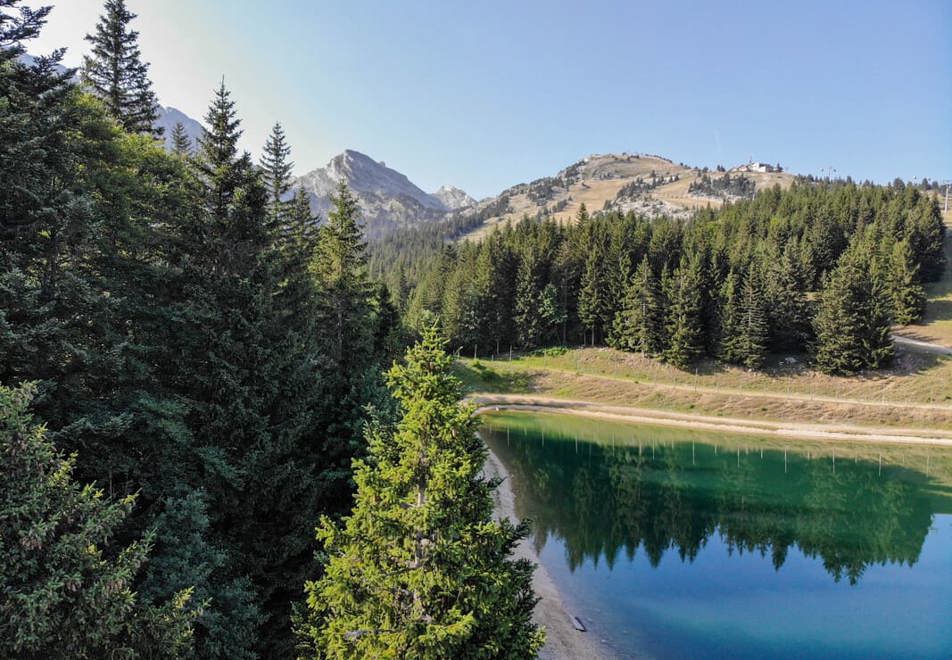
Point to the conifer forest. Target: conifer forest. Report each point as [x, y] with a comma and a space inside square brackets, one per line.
[234, 426]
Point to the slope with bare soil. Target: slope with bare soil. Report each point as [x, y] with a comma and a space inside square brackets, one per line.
[600, 180]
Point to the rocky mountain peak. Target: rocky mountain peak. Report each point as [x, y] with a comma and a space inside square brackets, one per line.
[453, 198]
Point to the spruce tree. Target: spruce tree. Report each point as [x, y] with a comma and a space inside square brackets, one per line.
[218, 163]
[276, 169]
[528, 320]
[852, 322]
[638, 326]
[926, 234]
[116, 73]
[551, 313]
[906, 293]
[789, 311]
[340, 266]
[68, 587]
[420, 568]
[683, 324]
[37, 125]
[730, 317]
[494, 280]
[181, 142]
[753, 322]
[593, 294]
[274, 415]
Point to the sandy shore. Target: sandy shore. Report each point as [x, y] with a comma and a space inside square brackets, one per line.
[833, 432]
[563, 641]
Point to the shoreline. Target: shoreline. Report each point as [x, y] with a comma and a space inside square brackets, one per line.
[553, 611]
[563, 641]
[806, 431]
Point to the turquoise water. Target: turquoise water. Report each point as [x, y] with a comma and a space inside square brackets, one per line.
[675, 544]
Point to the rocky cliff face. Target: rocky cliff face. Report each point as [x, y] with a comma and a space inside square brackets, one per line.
[453, 198]
[388, 199]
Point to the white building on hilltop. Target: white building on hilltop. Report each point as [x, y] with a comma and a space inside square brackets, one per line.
[757, 166]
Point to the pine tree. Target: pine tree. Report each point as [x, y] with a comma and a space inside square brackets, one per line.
[528, 318]
[37, 123]
[582, 217]
[185, 556]
[116, 73]
[852, 322]
[495, 279]
[223, 171]
[68, 590]
[276, 169]
[788, 309]
[753, 322]
[926, 234]
[299, 238]
[181, 142]
[551, 313]
[683, 324]
[638, 326]
[340, 266]
[902, 282]
[420, 569]
[251, 365]
[593, 294]
[730, 317]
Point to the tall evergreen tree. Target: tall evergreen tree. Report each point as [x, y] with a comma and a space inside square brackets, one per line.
[68, 588]
[116, 73]
[593, 294]
[754, 327]
[181, 142]
[36, 122]
[852, 322]
[926, 234]
[528, 320]
[638, 326]
[685, 336]
[730, 317]
[341, 270]
[551, 313]
[902, 282]
[789, 310]
[261, 390]
[276, 169]
[420, 569]
[218, 162]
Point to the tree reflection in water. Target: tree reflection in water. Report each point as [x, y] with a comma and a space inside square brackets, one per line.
[609, 499]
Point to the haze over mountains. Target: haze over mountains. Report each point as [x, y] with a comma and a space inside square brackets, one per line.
[644, 183]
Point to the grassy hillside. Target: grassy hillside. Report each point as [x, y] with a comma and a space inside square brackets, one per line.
[915, 393]
[600, 179]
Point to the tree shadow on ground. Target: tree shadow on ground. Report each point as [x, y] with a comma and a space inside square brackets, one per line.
[481, 377]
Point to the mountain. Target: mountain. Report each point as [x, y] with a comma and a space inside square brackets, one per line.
[388, 199]
[169, 116]
[453, 198]
[643, 183]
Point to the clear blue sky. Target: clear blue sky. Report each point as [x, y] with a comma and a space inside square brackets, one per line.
[487, 94]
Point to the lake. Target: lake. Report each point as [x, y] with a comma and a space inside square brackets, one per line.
[680, 544]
